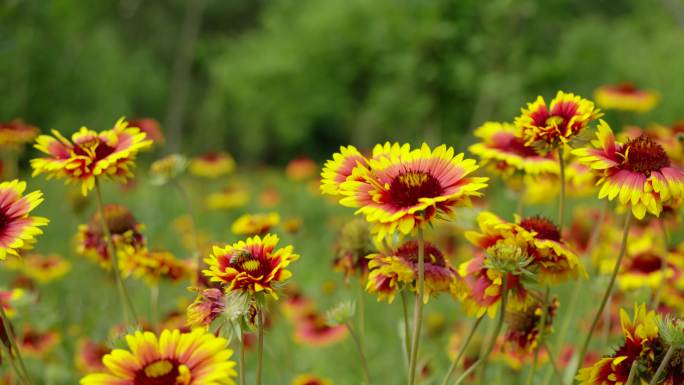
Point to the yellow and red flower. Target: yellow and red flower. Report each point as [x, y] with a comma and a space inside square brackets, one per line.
[506, 153]
[228, 198]
[640, 333]
[45, 269]
[89, 356]
[18, 230]
[212, 165]
[208, 306]
[312, 329]
[255, 224]
[547, 127]
[523, 333]
[310, 379]
[252, 266]
[197, 358]
[17, 133]
[301, 168]
[150, 127]
[125, 230]
[625, 96]
[401, 189]
[90, 154]
[8, 299]
[639, 172]
[36, 343]
[152, 265]
[390, 270]
[338, 169]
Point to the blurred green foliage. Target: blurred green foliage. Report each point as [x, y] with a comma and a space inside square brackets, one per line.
[272, 80]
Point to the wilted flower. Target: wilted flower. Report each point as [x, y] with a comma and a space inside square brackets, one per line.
[17, 229]
[401, 189]
[354, 244]
[252, 266]
[90, 154]
[212, 165]
[208, 305]
[549, 127]
[195, 358]
[637, 172]
[524, 329]
[625, 96]
[255, 224]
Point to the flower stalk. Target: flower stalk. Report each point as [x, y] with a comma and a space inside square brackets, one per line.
[13, 349]
[418, 309]
[362, 356]
[461, 351]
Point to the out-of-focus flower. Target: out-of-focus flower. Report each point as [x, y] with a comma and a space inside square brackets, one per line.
[253, 265]
[16, 133]
[150, 127]
[90, 154]
[339, 169]
[292, 225]
[401, 189]
[125, 230]
[270, 197]
[296, 304]
[313, 330]
[354, 244]
[580, 179]
[639, 335]
[89, 356]
[45, 269]
[389, 270]
[625, 96]
[301, 168]
[9, 299]
[584, 222]
[212, 165]
[152, 265]
[34, 343]
[255, 224]
[167, 168]
[310, 379]
[197, 358]
[503, 152]
[228, 198]
[547, 127]
[18, 230]
[638, 172]
[645, 265]
[522, 335]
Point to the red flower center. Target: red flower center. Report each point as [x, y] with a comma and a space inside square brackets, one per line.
[409, 251]
[94, 147]
[645, 263]
[644, 155]
[4, 220]
[517, 146]
[119, 220]
[162, 372]
[408, 187]
[626, 88]
[544, 228]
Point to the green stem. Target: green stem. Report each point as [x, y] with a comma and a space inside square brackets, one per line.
[19, 366]
[542, 332]
[193, 229]
[462, 351]
[407, 335]
[127, 306]
[561, 201]
[609, 289]
[492, 342]
[362, 314]
[554, 365]
[362, 356]
[663, 364]
[260, 344]
[632, 373]
[241, 358]
[418, 309]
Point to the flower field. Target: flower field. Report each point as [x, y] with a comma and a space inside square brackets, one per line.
[545, 252]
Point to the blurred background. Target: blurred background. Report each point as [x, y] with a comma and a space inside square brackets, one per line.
[271, 80]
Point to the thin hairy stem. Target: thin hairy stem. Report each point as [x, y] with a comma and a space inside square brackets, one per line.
[362, 356]
[542, 333]
[260, 344]
[462, 351]
[407, 334]
[418, 309]
[663, 365]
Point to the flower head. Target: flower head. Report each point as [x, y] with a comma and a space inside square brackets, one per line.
[523, 333]
[313, 329]
[549, 126]
[125, 230]
[255, 224]
[36, 343]
[167, 168]
[253, 265]
[301, 168]
[637, 172]
[89, 356]
[45, 269]
[354, 243]
[625, 96]
[310, 379]
[400, 189]
[390, 270]
[338, 169]
[212, 165]
[506, 153]
[228, 198]
[18, 230]
[208, 306]
[152, 265]
[90, 154]
[197, 358]
[16, 133]
[150, 127]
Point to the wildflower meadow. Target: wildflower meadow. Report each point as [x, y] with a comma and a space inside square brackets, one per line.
[541, 246]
